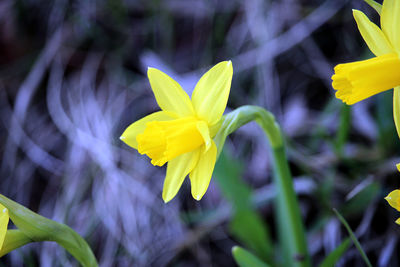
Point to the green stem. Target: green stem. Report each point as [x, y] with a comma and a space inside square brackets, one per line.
[38, 228]
[290, 225]
[289, 222]
[13, 240]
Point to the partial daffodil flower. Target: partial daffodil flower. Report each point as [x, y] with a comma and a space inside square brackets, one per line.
[394, 200]
[182, 132]
[4, 218]
[359, 80]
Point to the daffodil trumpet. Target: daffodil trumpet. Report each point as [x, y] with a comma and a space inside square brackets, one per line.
[359, 80]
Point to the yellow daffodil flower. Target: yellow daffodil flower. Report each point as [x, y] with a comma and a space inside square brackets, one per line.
[359, 80]
[4, 218]
[394, 200]
[182, 132]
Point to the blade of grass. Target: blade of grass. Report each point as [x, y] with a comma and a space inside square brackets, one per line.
[384, 118]
[335, 255]
[374, 5]
[246, 259]
[353, 237]
[246, 225]
[344, 128]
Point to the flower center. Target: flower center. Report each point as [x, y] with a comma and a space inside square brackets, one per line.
[165, 140]
[359, 80]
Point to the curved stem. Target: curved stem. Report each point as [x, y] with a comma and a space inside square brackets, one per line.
[13, 240]
[38, 228]
[289, 222]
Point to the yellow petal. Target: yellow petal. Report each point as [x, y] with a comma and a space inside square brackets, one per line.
[390, 22]
[129, 135]
[396, 109]
[177, 169]
[394, 199]
[169, 94]
[203, 129]
[398, 166]
[372, 34]
[211, 93]
[398, 221]
[201, 175]
[4, 218]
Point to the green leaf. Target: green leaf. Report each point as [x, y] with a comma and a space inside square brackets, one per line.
[336, 254]
[246, 259]
[359, 202]
[246, 225]
[249, 228]
[354, 238]
[227, 174]
[374, 5]
[344, 128]
[384, 118]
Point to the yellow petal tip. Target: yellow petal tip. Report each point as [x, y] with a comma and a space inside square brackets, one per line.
[398, 166]
[166, 200]
[121, 137]
[150, 69]
[398, 221]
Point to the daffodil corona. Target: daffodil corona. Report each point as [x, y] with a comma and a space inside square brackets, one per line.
[359, 80]
[182, 132]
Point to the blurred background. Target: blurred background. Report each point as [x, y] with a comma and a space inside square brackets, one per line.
[73, 77]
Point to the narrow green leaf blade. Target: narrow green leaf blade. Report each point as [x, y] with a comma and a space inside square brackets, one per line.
[246, 259]
[246, 224]
[249, 228]
[227, 174]
[374, 5]
[354, 238]
[344, 128]
[336, 254]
